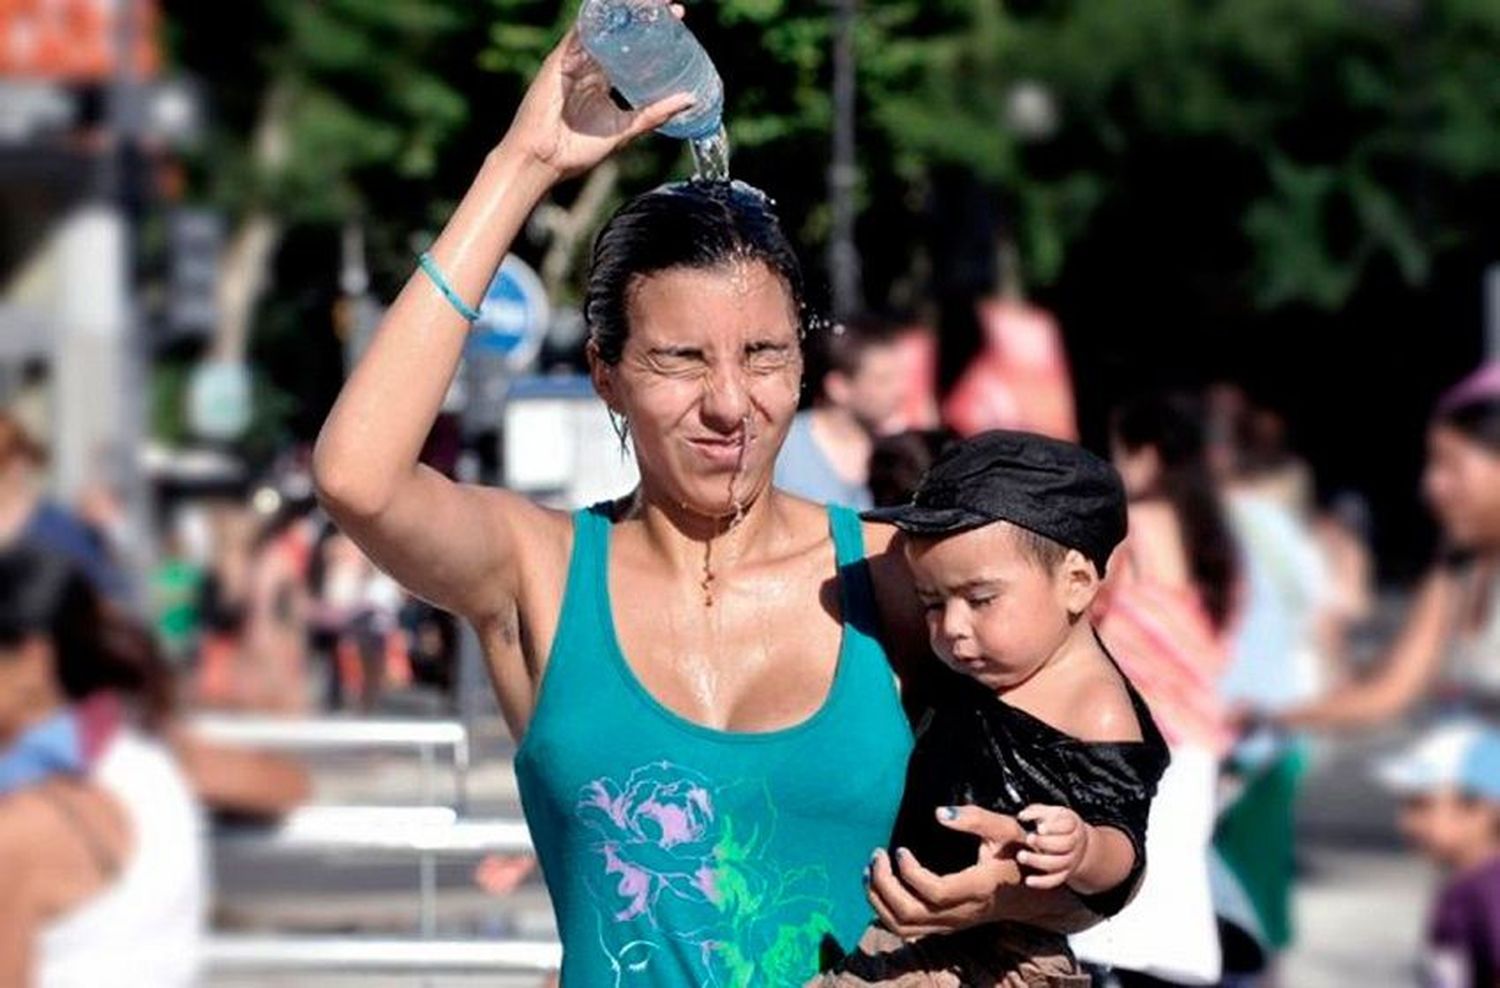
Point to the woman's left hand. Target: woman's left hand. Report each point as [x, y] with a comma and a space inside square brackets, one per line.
[912, 901]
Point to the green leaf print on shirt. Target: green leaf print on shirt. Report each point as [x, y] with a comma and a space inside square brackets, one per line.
[686, 861]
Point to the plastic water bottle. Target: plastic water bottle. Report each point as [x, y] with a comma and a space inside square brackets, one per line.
[649, 55]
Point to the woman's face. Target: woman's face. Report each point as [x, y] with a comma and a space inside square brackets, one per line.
[1462, 483]
[709, 381]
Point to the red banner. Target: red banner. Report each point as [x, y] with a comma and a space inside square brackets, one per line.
[76, 40]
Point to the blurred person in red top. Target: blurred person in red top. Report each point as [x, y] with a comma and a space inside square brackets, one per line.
[1164, 614]
[1020, 378]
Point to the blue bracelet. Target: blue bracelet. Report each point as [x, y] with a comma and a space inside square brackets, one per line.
[436, 276]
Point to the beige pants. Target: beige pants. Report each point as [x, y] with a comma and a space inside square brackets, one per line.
[995, 956]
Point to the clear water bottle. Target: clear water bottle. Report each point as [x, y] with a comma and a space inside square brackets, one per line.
[649, 55]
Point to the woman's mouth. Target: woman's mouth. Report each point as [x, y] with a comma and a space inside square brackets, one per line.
[721, 451]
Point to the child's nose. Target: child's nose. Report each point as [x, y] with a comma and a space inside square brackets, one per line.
[954, 625]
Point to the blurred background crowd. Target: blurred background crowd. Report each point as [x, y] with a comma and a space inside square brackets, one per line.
[1249, 248]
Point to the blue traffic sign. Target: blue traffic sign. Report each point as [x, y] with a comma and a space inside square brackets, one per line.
[514, 315]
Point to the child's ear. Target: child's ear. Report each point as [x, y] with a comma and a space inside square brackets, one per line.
[1080, 582]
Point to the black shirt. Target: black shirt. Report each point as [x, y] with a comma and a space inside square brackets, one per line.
[974, 748]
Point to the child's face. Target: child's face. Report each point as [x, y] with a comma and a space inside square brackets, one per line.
[1450, 827]
[993, 611]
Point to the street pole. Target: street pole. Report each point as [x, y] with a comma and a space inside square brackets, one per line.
[123, 191]
[1492, 312]
[843, 171]
[98, 353]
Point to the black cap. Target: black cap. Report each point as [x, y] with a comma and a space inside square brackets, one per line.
[1055, 489]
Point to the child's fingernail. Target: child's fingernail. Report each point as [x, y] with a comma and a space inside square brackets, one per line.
[875, 855]
[867, 874]
[903, 854]
[948, 813]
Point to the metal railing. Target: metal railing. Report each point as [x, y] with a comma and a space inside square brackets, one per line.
[435, 830]
[334, 734]
[363, 955]
[428, 832]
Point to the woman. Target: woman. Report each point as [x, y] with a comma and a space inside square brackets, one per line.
[1165, 616]
[100, 839]
[1450, 644]
[712, 742]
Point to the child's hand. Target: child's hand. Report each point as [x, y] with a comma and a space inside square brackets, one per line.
[1056, 846]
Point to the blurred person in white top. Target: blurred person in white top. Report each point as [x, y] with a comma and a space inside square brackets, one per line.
[101, 838]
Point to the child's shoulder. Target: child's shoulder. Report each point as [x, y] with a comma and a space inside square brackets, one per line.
[1099, 708]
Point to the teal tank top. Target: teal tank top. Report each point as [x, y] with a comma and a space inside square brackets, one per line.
[679, 856]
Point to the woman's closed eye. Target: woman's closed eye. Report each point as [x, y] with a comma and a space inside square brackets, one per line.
[676, 361]
[768, 358]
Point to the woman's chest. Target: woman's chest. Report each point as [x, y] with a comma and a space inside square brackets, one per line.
[753, 659]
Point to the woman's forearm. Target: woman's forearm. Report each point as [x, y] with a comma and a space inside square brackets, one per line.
[374, 435]
[1406, 673]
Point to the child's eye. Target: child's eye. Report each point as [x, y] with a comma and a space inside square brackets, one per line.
[932, 606]
[979, 603]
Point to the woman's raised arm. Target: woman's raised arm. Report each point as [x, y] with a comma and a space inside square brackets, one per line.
[455, 545]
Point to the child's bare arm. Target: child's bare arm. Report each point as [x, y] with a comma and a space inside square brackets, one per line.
[1063, 849]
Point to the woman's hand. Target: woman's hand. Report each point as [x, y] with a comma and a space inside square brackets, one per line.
[912, 901]
[568, 123]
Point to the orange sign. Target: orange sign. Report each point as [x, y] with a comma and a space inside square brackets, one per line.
[75, 40]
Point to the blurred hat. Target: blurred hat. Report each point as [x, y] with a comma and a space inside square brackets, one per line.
[1047, 486]
[1480, 386]
[1463, 756]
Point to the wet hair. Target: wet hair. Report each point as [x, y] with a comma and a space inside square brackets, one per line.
[96, 648]
[695, 225]
[1173, 426]
[841, 347]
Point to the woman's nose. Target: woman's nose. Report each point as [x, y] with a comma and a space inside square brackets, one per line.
[726, 399]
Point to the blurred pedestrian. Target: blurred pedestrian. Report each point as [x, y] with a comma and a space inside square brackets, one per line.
[224, 601]
[273, 658]
[27, 514]
[1449, 785]
[1165, 617]
[1343, 529]
[1285, 605]
[100, 833]
[357, 611]
[1449, 646]
[858, 372]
